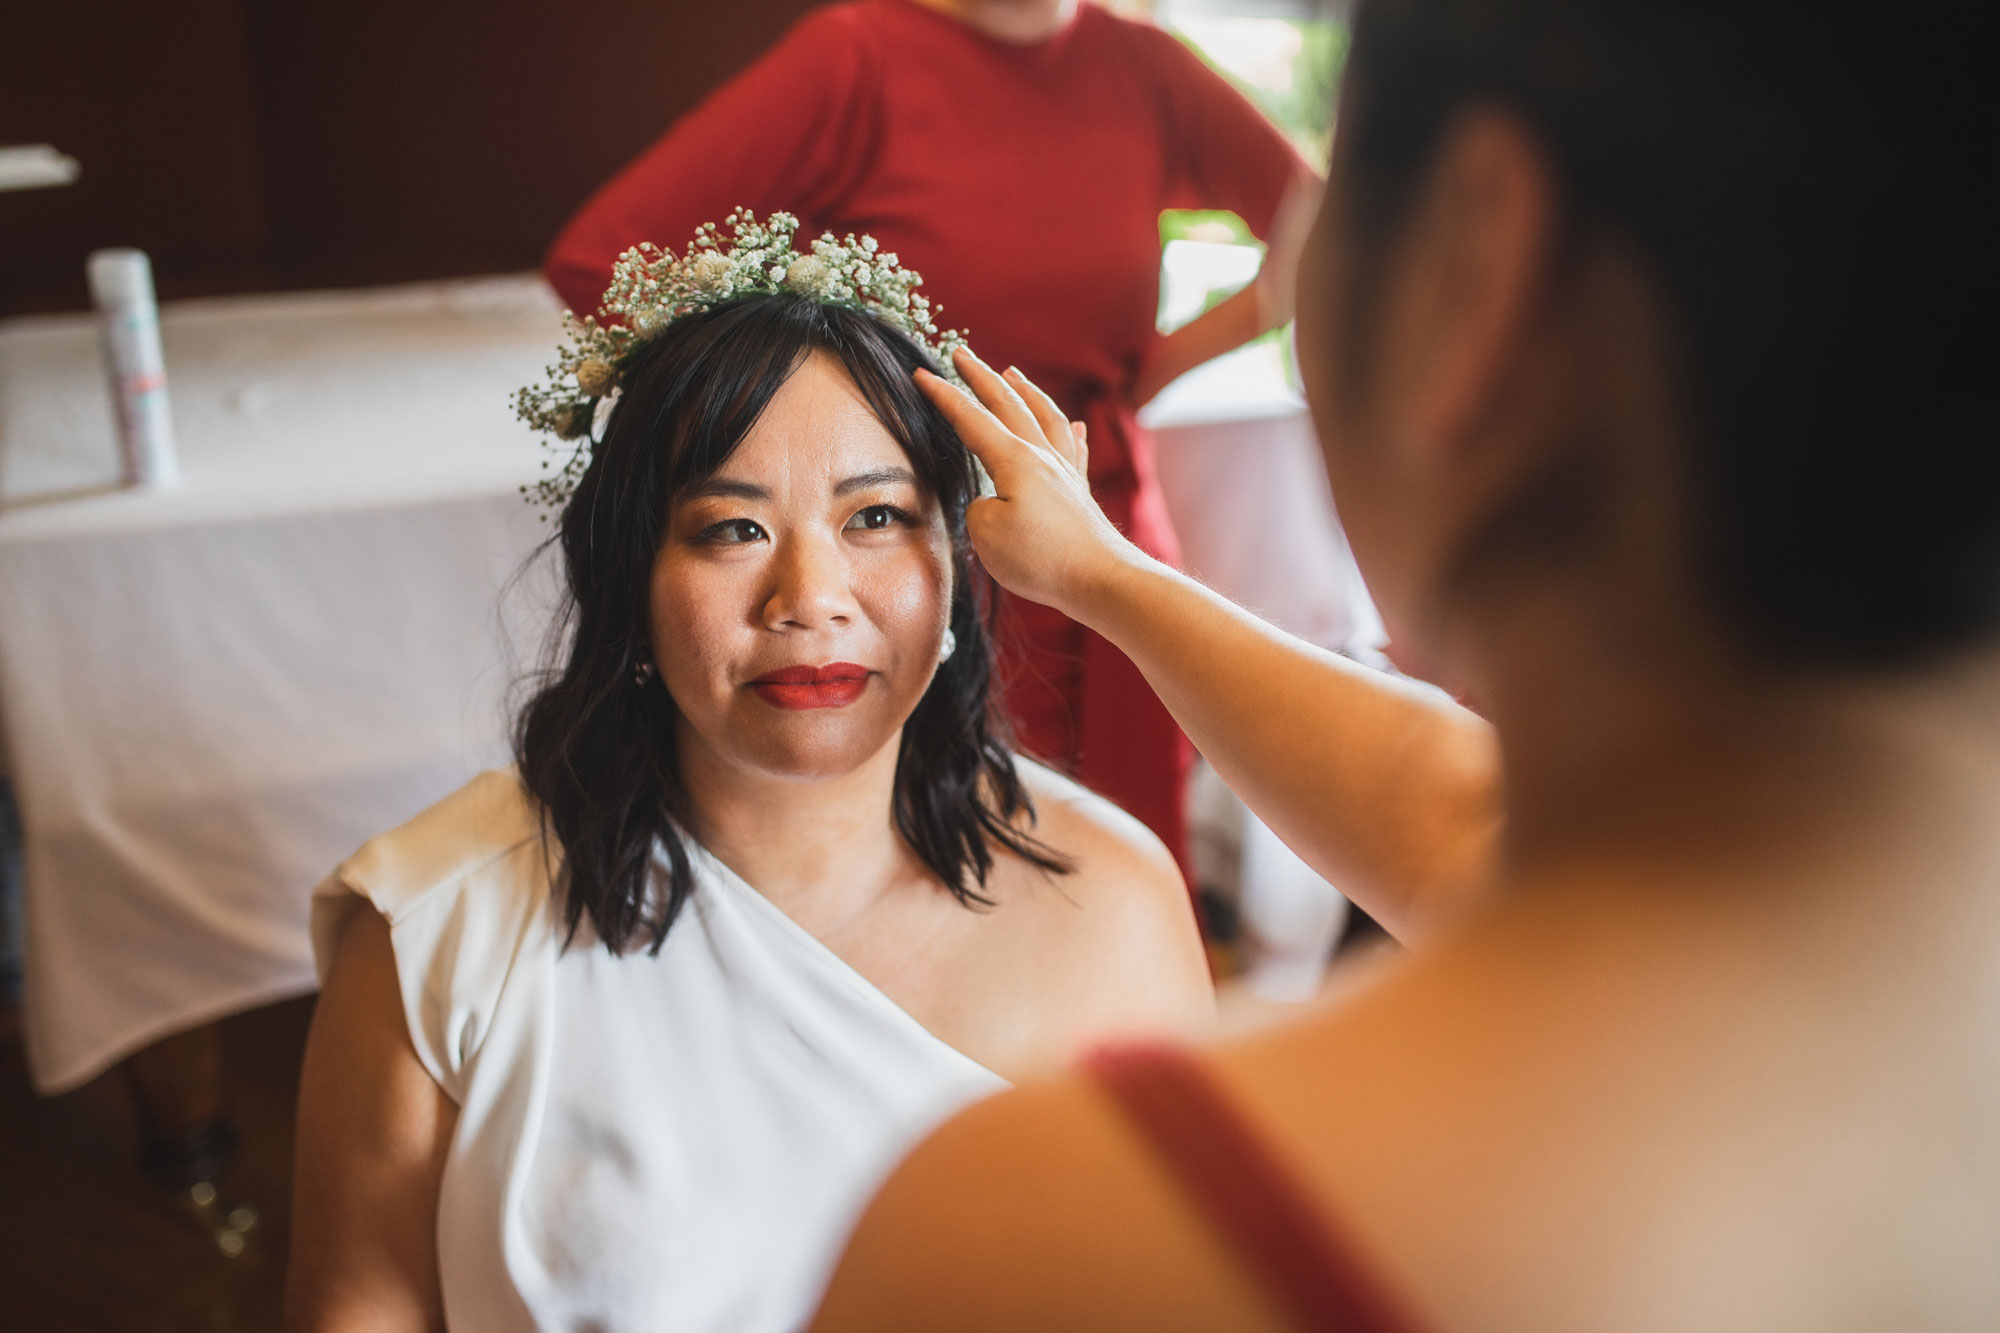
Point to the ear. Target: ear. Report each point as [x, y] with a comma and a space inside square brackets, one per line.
[1477, 270]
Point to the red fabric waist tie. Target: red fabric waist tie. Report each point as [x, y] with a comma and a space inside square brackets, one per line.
[1249, 1198]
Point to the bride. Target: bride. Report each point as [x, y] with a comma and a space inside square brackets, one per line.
[618, 1038]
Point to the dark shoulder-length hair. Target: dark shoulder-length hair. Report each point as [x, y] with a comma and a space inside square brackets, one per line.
[1804, 193]
[595, 744]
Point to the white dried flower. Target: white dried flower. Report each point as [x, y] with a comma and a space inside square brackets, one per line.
[651, 288]
[809, 276]
[710, 273]
[572, 423]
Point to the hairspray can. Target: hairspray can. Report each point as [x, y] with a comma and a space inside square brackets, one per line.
[121, 283]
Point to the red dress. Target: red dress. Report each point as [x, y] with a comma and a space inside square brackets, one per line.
[1025, 183]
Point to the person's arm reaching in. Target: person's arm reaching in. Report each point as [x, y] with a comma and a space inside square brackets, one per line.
[1384, 787]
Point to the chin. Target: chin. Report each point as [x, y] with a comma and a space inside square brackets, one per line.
[811, 747]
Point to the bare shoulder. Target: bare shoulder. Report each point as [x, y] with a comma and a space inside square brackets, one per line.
[1111, 852]
[1117, 935]
[1036, 1209]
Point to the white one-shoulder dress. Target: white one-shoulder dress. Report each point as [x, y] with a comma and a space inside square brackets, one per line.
[666, 1142]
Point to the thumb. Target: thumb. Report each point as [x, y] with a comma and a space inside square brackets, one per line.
[980, 517]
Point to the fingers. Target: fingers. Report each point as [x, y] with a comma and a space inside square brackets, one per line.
[999, 396]
[990, 442]
[1009, 412]
[1057, 428]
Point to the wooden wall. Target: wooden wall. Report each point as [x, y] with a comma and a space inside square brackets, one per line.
[266, 144]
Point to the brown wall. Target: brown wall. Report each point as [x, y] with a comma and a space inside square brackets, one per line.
[260, 144]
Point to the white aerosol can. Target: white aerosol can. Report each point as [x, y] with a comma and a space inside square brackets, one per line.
[121, 283]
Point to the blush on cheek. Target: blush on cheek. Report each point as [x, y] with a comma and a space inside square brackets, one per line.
[909, 601]
[698, 622]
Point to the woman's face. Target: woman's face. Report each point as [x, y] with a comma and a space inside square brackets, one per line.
[801, 596]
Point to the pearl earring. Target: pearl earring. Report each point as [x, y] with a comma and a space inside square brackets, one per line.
[642, 673]
[948, 647]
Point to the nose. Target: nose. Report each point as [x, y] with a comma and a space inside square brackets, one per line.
[811, 585]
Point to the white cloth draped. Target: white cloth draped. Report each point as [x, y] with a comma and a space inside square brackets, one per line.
[676, 1141]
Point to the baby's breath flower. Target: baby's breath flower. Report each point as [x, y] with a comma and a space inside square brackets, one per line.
[572, 422]
[710, 273]
[651, 288]
[808, 275]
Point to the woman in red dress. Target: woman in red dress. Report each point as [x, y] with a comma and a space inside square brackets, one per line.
[952, 131]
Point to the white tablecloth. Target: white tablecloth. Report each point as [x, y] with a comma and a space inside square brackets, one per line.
[208, 696]
[1247, 489]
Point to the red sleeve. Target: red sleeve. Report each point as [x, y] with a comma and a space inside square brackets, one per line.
[790, 132]
[1225, 154]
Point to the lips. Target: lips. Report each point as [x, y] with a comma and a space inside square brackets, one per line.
[834, 685]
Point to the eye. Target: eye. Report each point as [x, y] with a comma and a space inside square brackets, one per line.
[731, 532]
[877, 517]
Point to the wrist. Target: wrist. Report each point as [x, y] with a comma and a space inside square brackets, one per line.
[1112, 586]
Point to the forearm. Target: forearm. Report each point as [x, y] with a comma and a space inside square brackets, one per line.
[1388, 790]
[1265, 304]
[1226, 327]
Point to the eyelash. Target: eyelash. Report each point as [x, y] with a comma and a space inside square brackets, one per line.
[895, 513]
[719, 534]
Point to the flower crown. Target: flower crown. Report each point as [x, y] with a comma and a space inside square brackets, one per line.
[651, 288]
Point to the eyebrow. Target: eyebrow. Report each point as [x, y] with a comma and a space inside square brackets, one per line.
[722, 486]
[881, 476]
[751, 491]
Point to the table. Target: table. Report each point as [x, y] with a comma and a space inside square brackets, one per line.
[1247, 488]
[209, 696]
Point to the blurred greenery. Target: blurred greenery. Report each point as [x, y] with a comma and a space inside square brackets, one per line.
[1205, 224]
[1304, 111]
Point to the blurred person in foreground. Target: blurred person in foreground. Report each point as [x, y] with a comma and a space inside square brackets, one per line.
[1646, 339]
[1018, 153]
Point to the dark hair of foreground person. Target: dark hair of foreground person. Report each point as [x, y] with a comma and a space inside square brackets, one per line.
[1804, 184]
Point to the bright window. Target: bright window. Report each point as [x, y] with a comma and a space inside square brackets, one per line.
[1286, 57]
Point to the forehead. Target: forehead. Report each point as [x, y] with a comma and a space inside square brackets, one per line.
[817, 426]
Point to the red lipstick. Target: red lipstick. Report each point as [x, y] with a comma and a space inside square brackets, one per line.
[834, 685]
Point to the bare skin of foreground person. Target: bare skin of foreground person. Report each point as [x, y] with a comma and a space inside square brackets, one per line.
[1721, 1050]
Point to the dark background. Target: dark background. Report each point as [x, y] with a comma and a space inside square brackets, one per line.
[267, 144]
